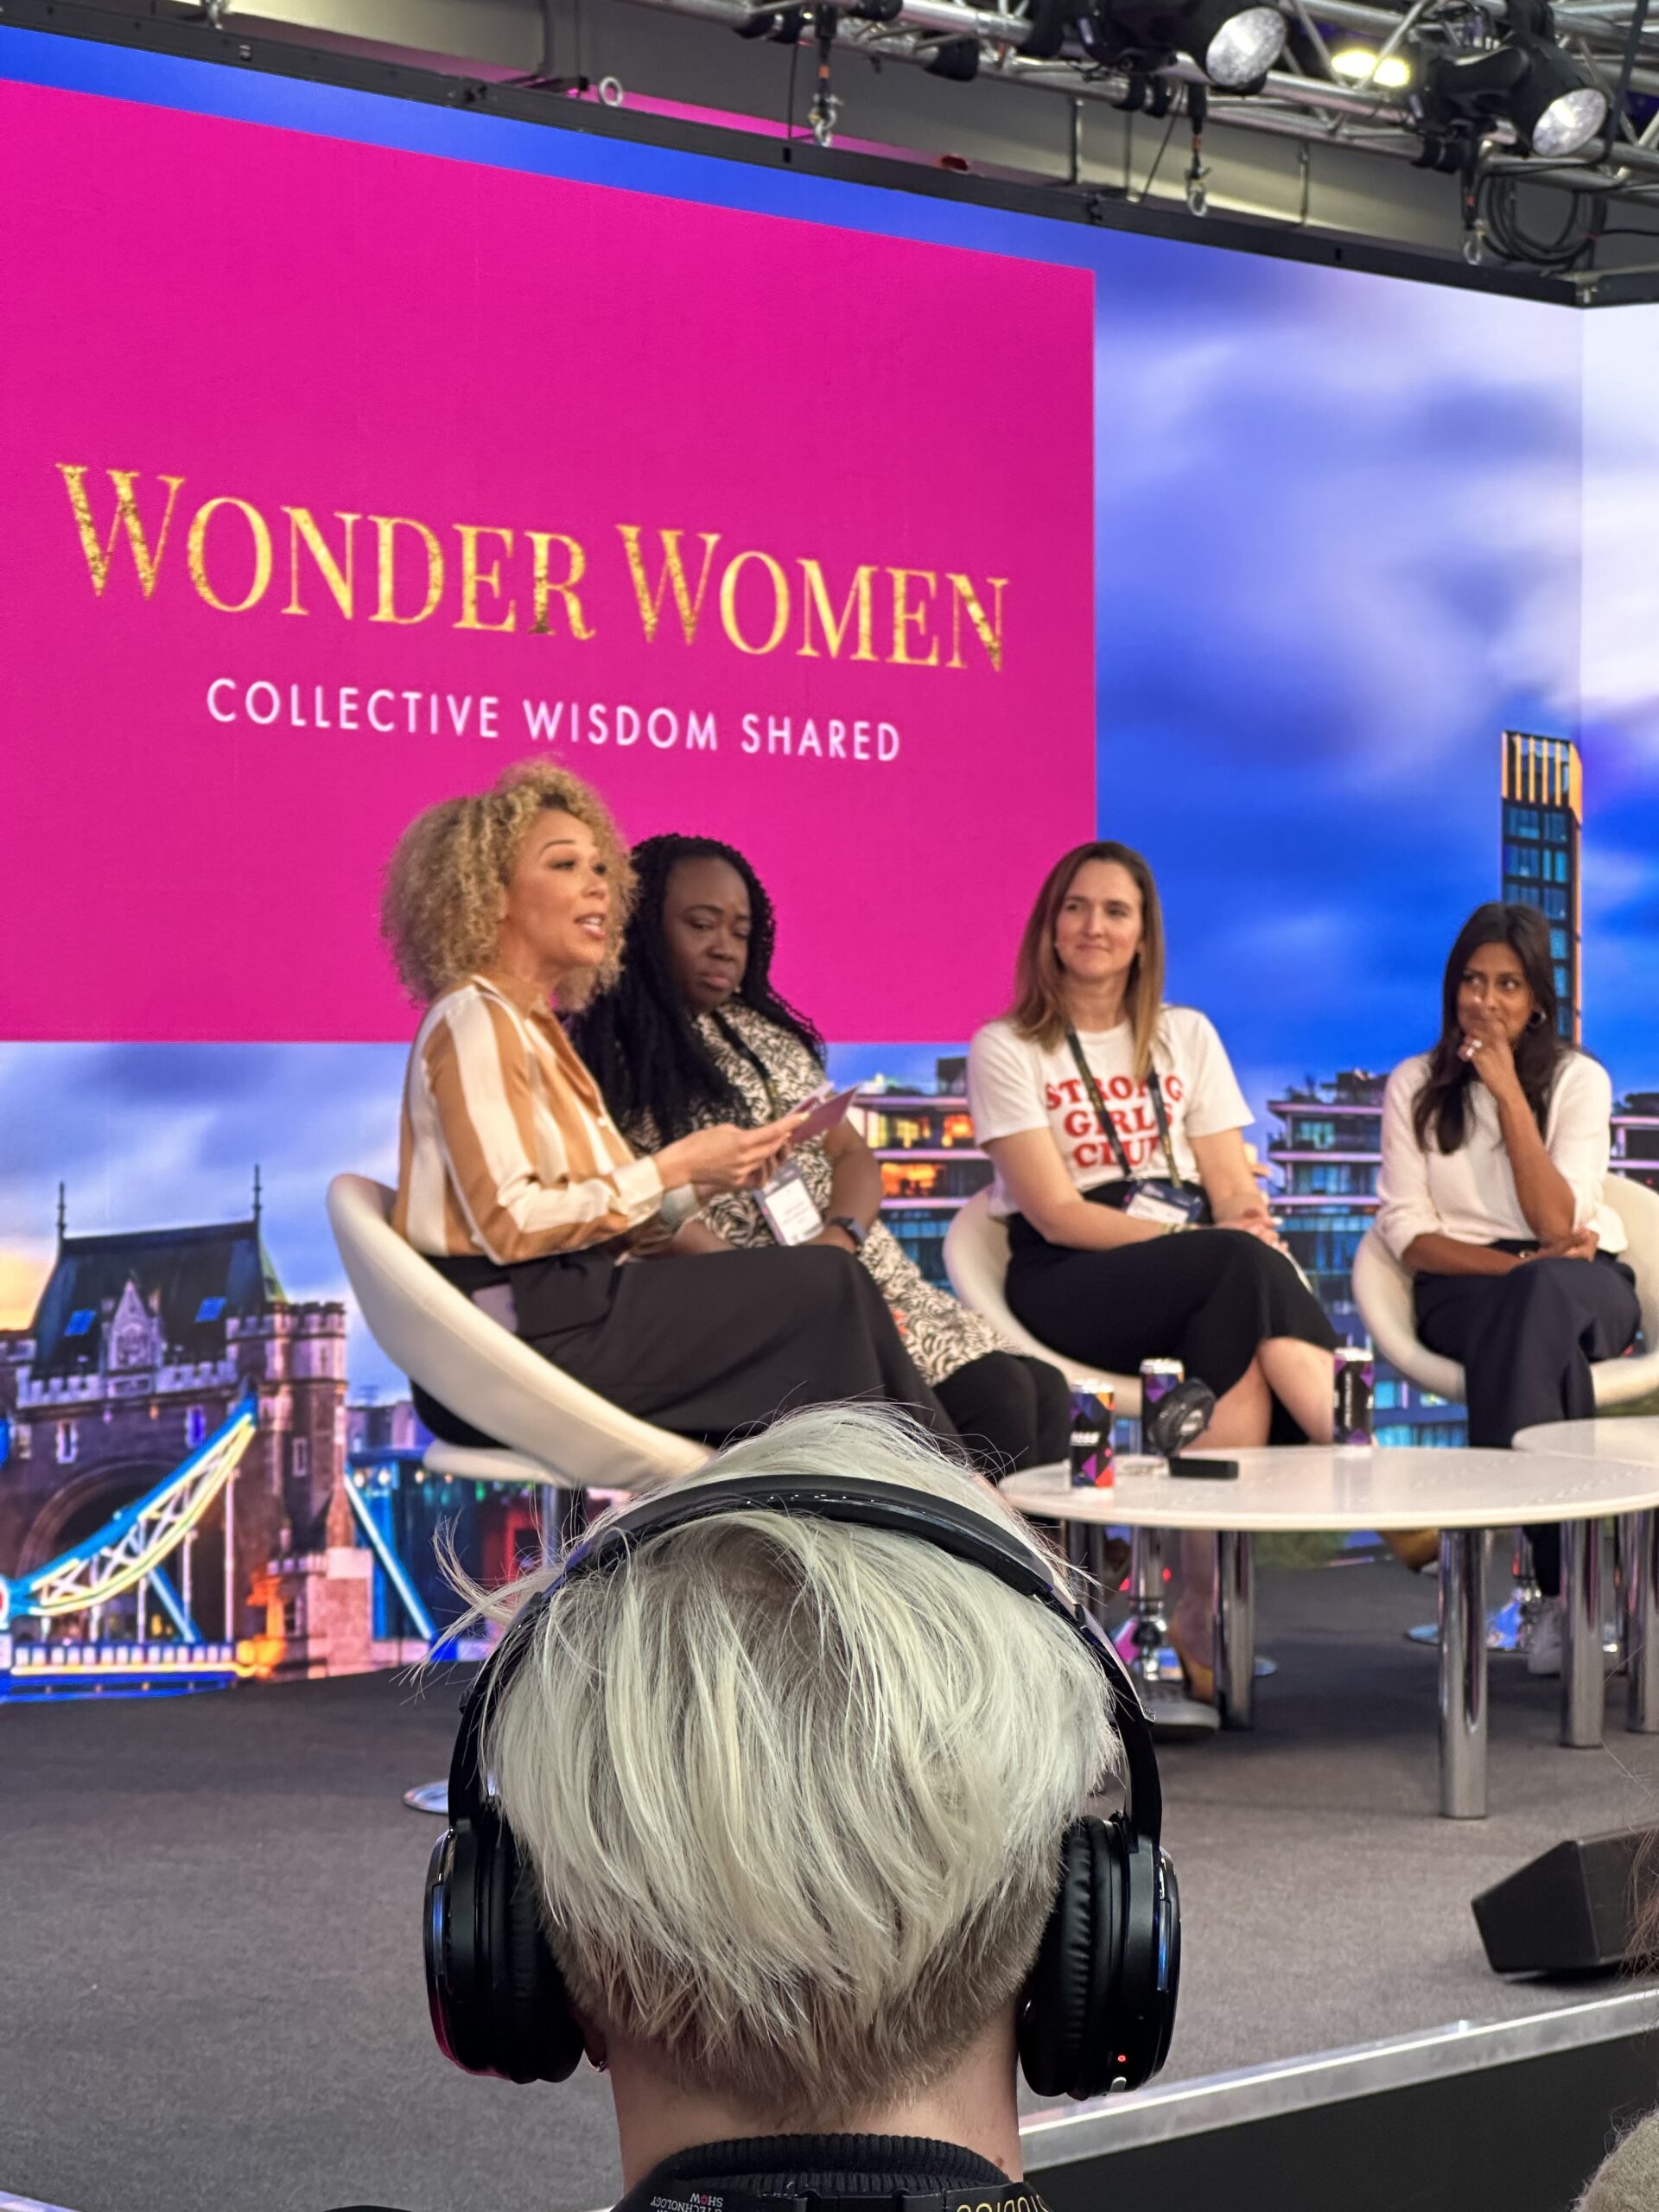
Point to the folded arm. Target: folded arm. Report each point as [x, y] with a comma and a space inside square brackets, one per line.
[1033, 1175]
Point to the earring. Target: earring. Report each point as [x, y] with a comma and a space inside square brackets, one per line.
[1536, 1018]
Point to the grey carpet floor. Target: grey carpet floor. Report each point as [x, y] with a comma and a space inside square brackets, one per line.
[209, 1955]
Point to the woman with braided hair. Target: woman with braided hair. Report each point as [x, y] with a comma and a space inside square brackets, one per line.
[694, 1032]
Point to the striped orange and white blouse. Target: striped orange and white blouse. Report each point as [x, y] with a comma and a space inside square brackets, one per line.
[506, 1147]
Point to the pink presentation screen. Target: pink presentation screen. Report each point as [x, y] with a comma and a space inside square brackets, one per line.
[336, 478]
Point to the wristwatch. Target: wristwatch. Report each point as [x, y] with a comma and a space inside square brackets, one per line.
[854, 1228]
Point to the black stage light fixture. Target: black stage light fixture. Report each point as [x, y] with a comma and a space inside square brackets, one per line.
[955, 58]
[1528, 81]
[1235, 43]
[1047, 23]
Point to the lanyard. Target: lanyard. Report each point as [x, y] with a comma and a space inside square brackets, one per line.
[1120, 1150]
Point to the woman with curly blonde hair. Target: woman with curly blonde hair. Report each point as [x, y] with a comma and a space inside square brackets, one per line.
[513, 1177]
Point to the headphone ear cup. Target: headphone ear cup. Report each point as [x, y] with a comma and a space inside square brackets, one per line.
[1099, 2004]
[497, 1998]
[538, 2038]
[1068, 1992]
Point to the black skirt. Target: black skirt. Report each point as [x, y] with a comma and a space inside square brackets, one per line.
[1208, 1298]
[709, 1345]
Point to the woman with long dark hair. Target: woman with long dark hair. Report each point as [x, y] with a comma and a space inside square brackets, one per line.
[1495, 1150]
[1136, 1229]
[694, 1032]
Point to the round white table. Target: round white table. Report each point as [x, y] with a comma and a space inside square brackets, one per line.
[1462, 1493]
[1607, 1442]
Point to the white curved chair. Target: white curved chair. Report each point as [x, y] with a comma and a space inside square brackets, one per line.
[556, 1430]
[1382, 1294]
[976, 1261]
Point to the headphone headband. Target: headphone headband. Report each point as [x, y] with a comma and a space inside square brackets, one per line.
[948, 1526]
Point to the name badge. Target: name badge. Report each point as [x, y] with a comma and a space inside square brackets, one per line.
[788, 1206]
[1149, 1205]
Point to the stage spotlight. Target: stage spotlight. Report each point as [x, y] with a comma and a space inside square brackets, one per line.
[1557, 110]
[1235, 46]
[1360, 66]
[1527, 81]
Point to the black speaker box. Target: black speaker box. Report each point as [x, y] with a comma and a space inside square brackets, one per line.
[1576, 1910]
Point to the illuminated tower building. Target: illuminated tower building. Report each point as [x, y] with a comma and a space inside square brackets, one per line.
[924, 1142]
[1327, 1150]
[1543, 814]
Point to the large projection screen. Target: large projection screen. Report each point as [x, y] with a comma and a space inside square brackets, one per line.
[342, 476]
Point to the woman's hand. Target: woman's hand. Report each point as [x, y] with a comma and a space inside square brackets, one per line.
[1256, 1224]
[1228, 1178]
[1578, 1244]
[726, 1157]
[1489, 1053]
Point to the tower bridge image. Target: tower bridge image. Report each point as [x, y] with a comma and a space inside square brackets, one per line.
[173, 1468]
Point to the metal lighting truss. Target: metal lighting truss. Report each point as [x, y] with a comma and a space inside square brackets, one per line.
[1616, 40]
[120, 1554]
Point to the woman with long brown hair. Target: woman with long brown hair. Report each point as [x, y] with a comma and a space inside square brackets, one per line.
[513, 1177]
[1494, 1151]
[1136, 1229]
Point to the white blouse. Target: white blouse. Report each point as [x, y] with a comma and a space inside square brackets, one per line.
[1470, 1194]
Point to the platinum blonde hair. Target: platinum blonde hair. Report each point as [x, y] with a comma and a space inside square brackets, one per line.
[793, 1790]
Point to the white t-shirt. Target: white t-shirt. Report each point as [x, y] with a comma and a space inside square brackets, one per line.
[1470, 1194]
[1015, 1083]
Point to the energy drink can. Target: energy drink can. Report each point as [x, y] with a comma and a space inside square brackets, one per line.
[1356, 1389]
[1091, 1436]
[1157, 1378]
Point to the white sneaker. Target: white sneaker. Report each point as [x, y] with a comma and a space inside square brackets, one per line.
[1544, 1639]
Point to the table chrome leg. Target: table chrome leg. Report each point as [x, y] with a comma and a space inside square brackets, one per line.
[1143, 1636]
[1510, 1629]
[1236, 1628]
[1142, 1641]
[1641, 1623]
[1584, 1682]
[1463, 1674]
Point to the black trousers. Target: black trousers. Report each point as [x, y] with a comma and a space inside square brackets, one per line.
[1009, 1410]
[709, 1345]
[1208, 1298]
[1525, 1341]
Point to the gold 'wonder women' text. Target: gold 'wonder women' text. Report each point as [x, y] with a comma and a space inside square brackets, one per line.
[681, 586]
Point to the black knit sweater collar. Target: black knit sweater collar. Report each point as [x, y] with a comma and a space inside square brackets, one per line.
[796, 2170]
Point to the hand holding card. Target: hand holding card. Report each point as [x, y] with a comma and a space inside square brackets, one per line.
[727, 1157]
[821, 1114]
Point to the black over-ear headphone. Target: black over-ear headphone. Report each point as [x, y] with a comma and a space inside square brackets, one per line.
[1180, 1418]
[1099, 2006]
